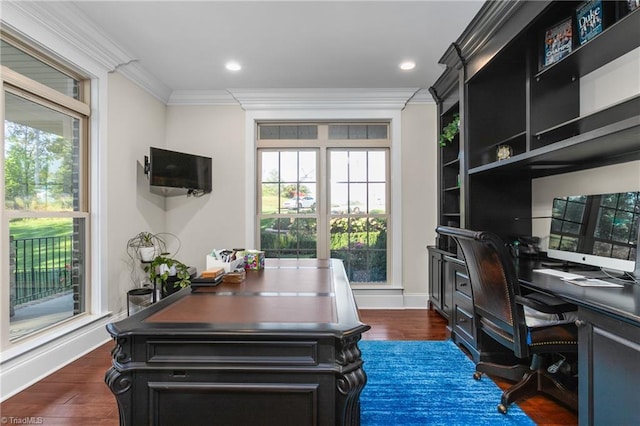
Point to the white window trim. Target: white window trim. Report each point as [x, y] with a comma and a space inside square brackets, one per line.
[89, 327]
[253, 117]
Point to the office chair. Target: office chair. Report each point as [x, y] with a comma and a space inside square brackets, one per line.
[534, 341]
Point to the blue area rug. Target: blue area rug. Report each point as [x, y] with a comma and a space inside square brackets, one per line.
[428, 383]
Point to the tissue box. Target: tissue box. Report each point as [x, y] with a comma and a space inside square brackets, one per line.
[254, 260]
[227, 266]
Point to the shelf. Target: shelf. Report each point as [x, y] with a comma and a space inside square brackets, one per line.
[452, 189]
[614, 143]
[517, 143]
[620, 38]
[508, 140]
[455, 163]
[627, 108]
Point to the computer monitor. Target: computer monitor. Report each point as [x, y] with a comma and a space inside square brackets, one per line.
[597, 230]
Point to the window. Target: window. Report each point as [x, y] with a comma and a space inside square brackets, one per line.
[323, 192]
[46, 210]
[358, 223]
[288, 188]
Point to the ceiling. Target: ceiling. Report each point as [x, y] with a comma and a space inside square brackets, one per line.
[284, 44]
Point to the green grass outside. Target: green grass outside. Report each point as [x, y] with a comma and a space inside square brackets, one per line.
[269, 204]
[41, 227]
[28, 228]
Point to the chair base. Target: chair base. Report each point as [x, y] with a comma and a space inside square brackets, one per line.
[540, 381]
[513, 373]
[531, 382]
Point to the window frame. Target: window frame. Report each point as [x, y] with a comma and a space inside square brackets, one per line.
[42, 95]
[324, 145]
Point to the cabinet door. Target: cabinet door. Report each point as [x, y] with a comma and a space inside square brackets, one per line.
[608, 370]
[435, 280]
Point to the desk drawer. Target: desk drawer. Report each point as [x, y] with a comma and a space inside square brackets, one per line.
[464, 323]
[246, 352]
[462, 281]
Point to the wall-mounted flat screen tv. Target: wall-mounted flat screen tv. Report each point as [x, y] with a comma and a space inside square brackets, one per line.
[178, 173]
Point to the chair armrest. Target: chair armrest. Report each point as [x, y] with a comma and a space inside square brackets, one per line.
[545, 303]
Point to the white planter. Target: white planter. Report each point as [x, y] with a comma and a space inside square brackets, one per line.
[147, 254]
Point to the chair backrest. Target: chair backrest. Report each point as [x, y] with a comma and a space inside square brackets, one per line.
[494, 285]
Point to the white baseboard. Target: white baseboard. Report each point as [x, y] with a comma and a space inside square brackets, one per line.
[416, 300]
[390, 300]
[28, 368]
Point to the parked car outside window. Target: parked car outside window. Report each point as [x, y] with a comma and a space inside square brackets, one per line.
[306, 202]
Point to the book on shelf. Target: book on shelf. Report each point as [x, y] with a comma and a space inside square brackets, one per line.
[589, 20]
[558, 42]
[632, 5]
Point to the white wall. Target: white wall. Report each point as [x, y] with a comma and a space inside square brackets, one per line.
[419, 198]
[215, 220]
[136, 121]
[218, 220]
[618, 80]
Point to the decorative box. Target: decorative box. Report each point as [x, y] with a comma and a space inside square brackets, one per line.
[254, 260]
[227, 266]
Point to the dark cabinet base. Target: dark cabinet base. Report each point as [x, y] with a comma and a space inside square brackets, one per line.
[608, 370]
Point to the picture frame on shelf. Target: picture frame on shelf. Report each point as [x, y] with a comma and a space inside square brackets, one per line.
[558, 42]
[589, 20]
[504, 152]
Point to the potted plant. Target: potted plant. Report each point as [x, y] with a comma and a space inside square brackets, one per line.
[170, 273]
[450, 131]
[146, 246]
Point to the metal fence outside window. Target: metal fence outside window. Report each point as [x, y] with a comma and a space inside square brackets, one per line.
[42, 267]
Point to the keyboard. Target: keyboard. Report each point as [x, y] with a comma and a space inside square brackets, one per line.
[560, 274]
[593, 282]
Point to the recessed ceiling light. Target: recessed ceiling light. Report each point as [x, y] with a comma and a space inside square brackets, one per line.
[233, 66]
[407, 65]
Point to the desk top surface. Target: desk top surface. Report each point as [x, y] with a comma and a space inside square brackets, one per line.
[618, 302]
[288, 295]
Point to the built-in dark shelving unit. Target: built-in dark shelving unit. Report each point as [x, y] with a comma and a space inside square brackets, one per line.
[536, 112]
[495, 81]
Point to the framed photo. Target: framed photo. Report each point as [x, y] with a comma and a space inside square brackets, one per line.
[558, 42]
[589, 20]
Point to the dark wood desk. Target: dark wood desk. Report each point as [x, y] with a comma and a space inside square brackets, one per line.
[278, 349]
[609, 346]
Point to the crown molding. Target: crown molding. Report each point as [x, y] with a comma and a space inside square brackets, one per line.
[201, 97]
[293, 99]
[422, 96]
[66, 22]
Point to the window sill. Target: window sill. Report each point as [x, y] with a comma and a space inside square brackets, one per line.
[49, 335]
[372, 286]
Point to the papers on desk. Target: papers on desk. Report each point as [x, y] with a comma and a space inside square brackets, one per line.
[576, 279]
[560, 274]
[592, 282]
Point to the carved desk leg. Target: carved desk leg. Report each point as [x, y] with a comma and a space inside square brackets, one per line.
[120, 381]
[351, 379]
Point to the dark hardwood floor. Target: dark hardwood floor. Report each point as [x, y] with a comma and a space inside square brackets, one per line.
[77, 394]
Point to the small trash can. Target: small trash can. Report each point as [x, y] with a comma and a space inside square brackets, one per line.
[138, 299]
